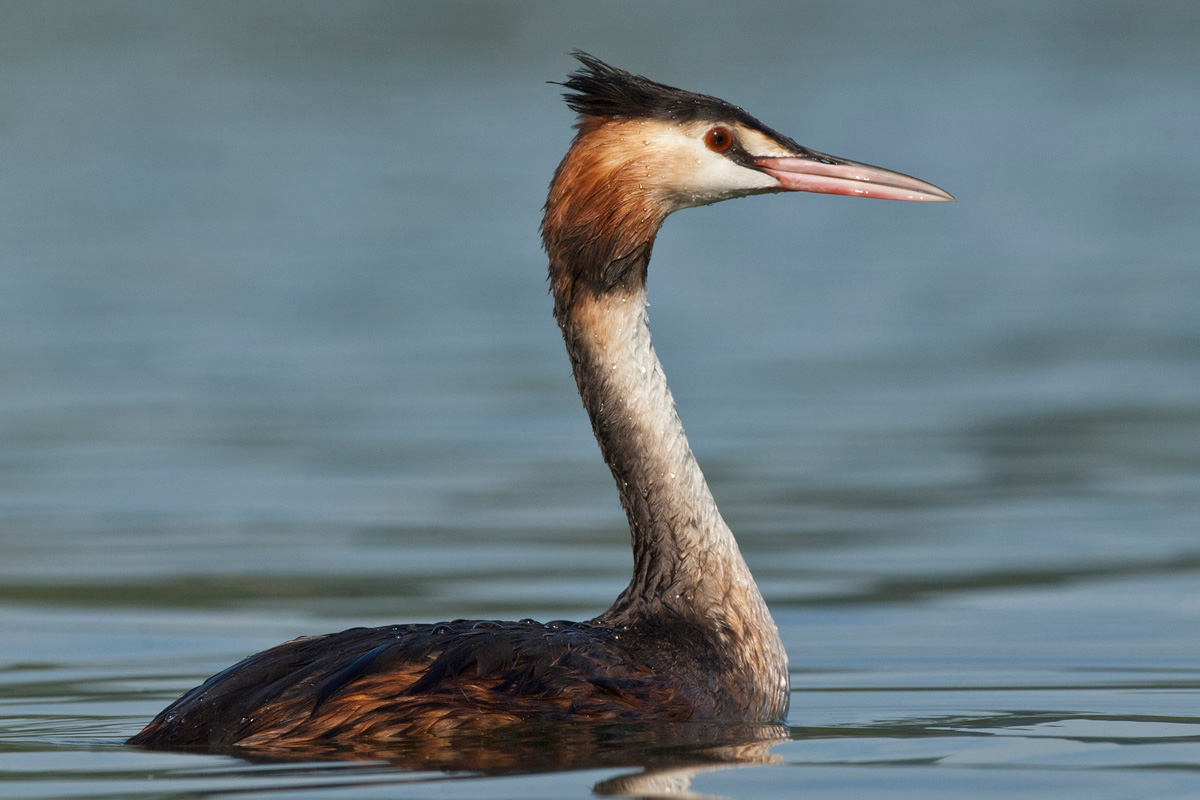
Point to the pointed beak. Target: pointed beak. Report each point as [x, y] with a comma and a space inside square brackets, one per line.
[816, 172]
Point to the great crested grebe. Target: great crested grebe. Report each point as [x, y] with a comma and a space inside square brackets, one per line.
[690, 638]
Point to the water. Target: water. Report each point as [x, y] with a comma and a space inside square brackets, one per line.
[277, 359]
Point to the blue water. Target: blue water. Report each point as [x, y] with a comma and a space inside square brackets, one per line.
[276, 358]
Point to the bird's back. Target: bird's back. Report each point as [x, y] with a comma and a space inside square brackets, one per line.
[386, 683]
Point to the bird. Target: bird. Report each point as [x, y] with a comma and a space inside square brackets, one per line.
[690, 638]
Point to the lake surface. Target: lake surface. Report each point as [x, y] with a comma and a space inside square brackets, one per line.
[276, 358]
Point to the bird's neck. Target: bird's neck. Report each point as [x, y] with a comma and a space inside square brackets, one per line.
[687, 566]
[601, 218]
[685, 557]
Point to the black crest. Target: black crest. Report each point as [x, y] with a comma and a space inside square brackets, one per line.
[600, 90]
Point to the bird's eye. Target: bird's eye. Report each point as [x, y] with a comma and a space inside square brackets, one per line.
[718, 140]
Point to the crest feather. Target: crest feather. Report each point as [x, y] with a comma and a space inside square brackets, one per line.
[600, 90]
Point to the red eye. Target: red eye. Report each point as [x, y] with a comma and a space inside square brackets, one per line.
[718, 140]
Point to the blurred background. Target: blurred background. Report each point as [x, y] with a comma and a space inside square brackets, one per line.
[276, 353]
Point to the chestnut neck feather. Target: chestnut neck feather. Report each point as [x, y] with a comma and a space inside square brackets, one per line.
[599, 229]
[600, 217]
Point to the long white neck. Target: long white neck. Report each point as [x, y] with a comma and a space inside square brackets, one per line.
[687, 565]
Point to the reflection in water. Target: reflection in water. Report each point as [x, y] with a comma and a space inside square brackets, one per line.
[669, 756]
[675, 781]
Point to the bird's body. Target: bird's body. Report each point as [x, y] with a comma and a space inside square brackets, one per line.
[376, 684]
[691, 637]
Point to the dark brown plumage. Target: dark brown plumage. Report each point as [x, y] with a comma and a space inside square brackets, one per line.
[410, 680]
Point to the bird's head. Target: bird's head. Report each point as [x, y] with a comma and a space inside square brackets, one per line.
[645, 150]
